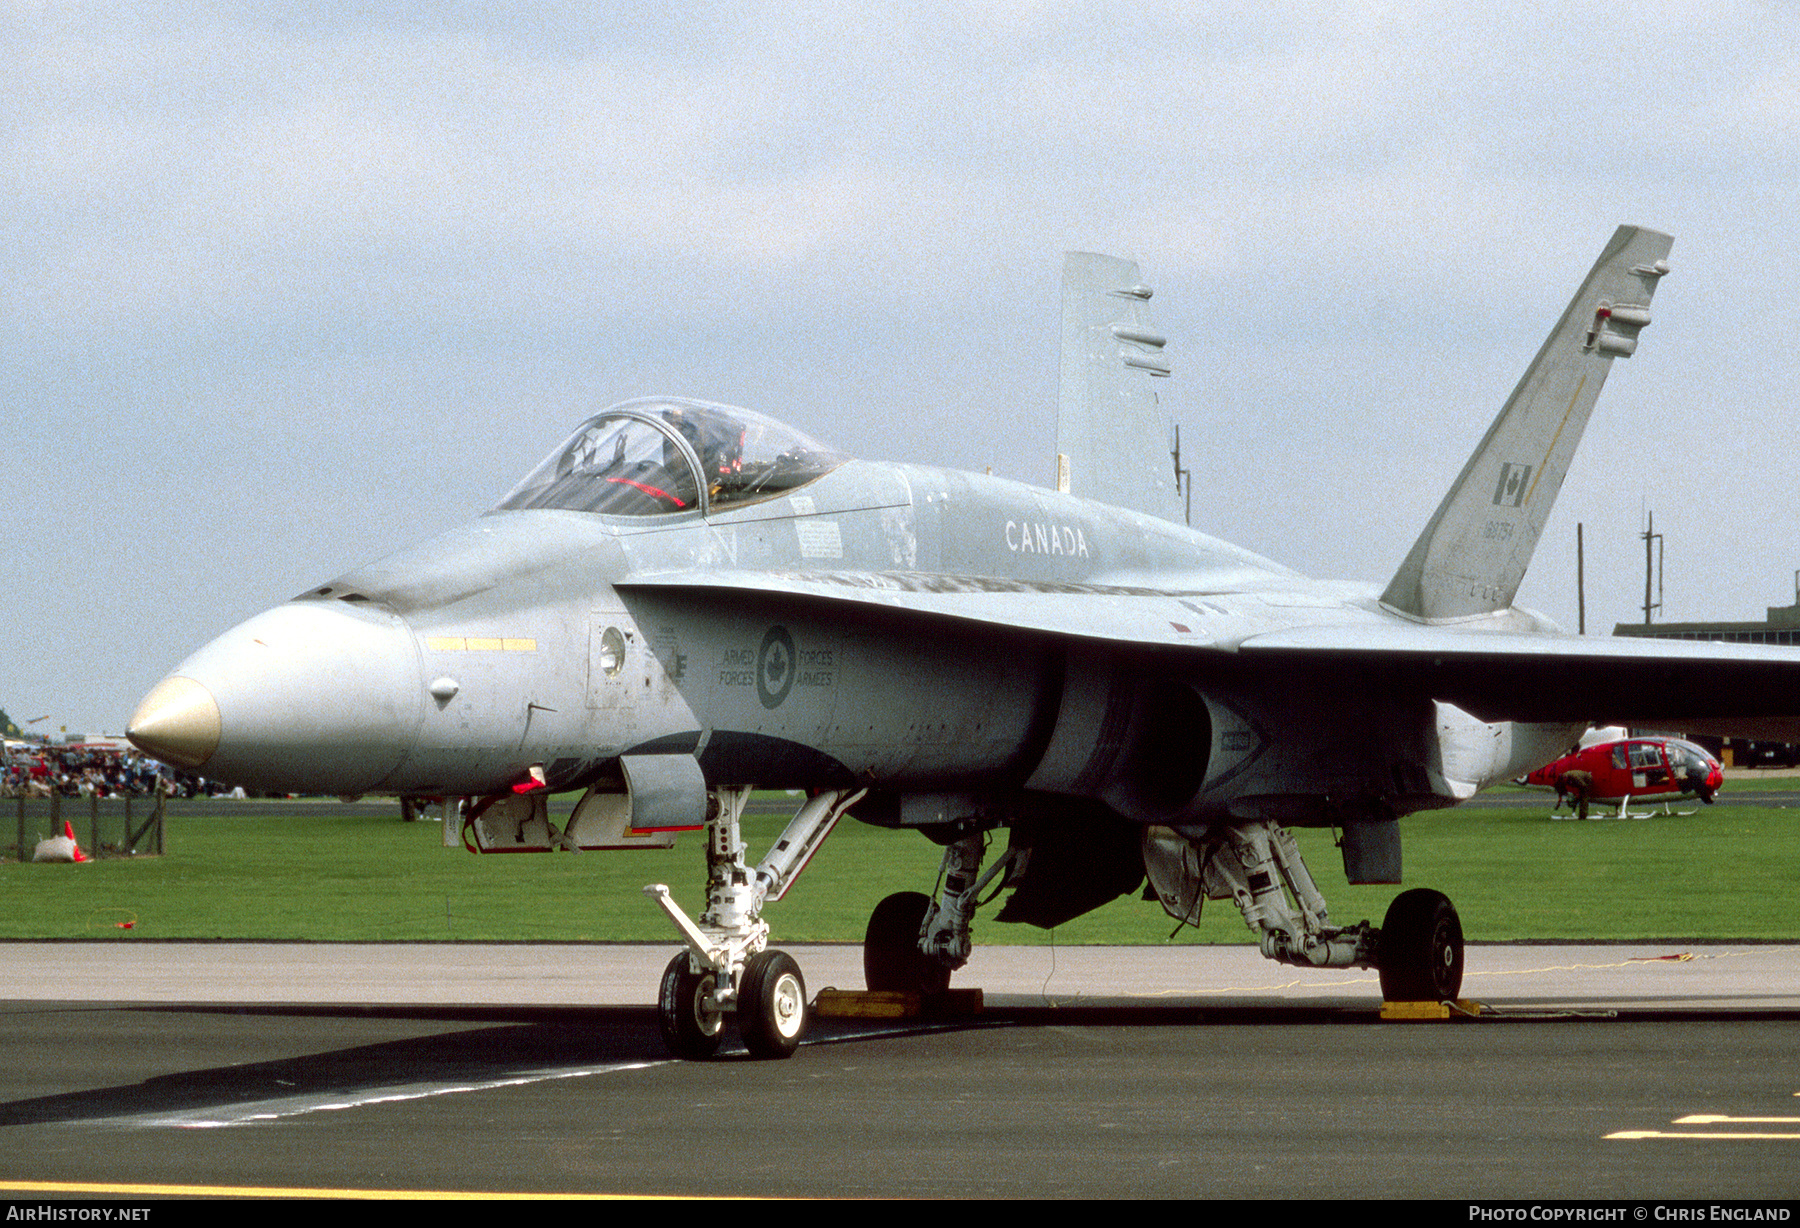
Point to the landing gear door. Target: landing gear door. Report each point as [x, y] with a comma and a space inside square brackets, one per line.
[668, 792]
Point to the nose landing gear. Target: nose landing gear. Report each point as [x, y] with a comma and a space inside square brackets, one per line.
[727, 966]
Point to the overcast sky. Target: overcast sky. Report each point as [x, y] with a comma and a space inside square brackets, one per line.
[288, 286]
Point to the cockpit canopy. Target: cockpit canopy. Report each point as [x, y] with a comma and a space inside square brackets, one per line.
[647, 458]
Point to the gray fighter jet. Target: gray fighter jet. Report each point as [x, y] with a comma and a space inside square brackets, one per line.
[687, 601]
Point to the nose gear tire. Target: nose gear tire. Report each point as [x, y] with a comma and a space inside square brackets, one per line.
[771, 1005]
[689, 1025]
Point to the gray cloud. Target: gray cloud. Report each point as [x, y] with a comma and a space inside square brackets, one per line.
[290, 285]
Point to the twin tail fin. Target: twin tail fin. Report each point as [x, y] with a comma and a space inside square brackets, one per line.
[1472, 555]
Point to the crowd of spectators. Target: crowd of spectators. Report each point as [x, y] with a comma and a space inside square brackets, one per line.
[84, 771]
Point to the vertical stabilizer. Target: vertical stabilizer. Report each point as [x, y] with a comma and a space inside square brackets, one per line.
[1109, 424]
[1473, 554]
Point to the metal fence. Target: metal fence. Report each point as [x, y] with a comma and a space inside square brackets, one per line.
[110, 827]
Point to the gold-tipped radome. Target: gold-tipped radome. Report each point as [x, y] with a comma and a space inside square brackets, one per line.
[178, 722]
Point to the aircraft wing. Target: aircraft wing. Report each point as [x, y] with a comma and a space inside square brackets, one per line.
[1744, 690]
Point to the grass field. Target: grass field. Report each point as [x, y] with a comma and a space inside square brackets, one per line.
[1724, 873]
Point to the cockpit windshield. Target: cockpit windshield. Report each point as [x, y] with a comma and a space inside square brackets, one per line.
[1687, 758]
[646, 458]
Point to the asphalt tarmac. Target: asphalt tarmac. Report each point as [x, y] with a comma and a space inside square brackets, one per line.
[139, 1070]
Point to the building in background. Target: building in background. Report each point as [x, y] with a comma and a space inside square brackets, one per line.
[1782, 626]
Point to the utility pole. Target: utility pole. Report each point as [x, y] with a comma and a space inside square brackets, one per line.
[1580, 584]
[1652, 564]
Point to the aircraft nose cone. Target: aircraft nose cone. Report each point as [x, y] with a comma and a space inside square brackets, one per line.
[178, 722]
[310, 697]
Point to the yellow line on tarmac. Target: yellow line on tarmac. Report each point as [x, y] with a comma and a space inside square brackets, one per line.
[1267, 986]
[1713, 1119]
[275, 1191]
[1684, 957]
[1636, 1134]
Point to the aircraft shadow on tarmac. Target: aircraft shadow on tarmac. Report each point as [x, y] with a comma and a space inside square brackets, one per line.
[512, 1043]
[504, 1045]
[501, 1045]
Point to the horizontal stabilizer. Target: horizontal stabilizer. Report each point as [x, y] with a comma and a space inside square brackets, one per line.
[1471, 557]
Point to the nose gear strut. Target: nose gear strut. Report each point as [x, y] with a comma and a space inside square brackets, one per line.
[727, 966]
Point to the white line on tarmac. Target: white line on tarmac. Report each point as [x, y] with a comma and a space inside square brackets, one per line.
[250, 1112]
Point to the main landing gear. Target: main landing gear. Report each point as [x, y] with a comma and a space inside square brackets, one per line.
[728, 966]
[892, 960]
[1418, 949]
[913, 943]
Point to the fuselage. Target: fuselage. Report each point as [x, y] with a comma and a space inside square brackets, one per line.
[1074, 648]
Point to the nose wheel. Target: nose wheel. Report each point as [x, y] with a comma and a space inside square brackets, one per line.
[771, 1005]
[686, 1012]
[770, 1001]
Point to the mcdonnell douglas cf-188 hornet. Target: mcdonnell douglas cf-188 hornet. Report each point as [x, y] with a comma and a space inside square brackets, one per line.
[687, 601]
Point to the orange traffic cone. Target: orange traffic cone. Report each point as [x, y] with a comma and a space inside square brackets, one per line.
[69, 831]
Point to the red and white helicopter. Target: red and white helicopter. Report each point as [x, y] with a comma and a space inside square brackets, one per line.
[1623, 769]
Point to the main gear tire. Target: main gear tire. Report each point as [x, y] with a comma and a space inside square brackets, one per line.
[689, 1023]
[1421, 953]
[771, 1005]
[892, 961]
